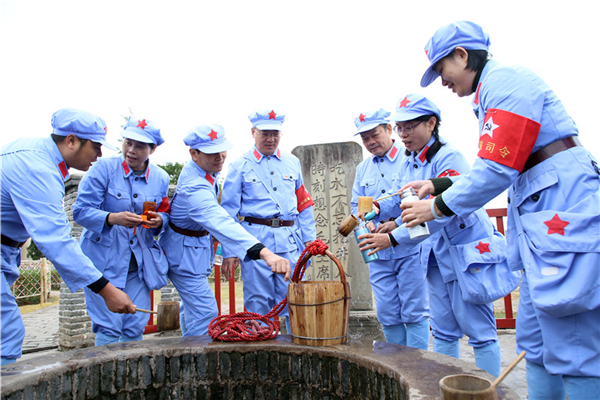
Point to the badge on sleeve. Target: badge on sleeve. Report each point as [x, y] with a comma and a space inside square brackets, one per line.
[507, 138]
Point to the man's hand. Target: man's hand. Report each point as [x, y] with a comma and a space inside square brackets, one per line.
[386, 227]
[422, 188]
[374, 242]
[125, 218]
[229, 266]
[116, 300]
[279, 265]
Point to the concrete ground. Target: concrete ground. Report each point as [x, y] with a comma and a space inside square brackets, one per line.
[41, 337]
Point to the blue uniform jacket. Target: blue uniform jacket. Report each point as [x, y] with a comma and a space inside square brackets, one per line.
[375, 177]
[110, 186]
[265, 187]
[195, 207]
[448, 162]
[32, 187]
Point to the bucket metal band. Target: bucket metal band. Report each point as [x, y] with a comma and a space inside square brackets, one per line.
[318, 304]
[319, 338]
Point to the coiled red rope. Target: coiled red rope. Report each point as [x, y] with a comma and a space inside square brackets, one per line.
[240, 327]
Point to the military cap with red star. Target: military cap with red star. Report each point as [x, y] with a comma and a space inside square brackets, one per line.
[82, 124]
[370, 120]
[209, 139]
[266, 120]
[142, 130]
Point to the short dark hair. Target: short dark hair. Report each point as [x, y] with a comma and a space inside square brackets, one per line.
[435, 146]
[59, 139]
[477, 59]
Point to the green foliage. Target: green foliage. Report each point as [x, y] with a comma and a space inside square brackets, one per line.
[173, 169]
[33, 252]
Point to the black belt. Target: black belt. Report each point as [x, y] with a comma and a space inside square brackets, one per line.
[549, 150]
[272, 222]
[187, 232]
[12, 243]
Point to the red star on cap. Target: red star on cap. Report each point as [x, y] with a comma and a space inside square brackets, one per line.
[105, 131]
[556, 225]
[142, 124]
[362, 117]
[483, 248]
[404, 102]
[212, 135]
[272, 115]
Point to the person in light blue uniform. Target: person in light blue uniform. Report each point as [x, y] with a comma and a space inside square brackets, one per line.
[32, 189]
[417, 121]
[528, 144]
[109, 206]
[398, 277]
[265, 188]
[195, 218]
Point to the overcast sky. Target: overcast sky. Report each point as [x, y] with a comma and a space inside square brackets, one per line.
[182, 64]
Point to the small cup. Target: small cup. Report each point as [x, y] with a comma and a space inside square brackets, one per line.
[365, 204]
[347, 225]
[148, 206]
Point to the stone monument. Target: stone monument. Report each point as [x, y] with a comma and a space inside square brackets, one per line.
[328, 171]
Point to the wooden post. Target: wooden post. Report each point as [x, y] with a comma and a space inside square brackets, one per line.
[43, 281]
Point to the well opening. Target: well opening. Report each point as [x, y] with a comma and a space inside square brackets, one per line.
[197, 368]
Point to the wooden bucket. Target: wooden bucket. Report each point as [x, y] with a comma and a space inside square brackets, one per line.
[319, 310]
[467, 387]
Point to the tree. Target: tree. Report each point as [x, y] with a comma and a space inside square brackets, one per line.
[33, 252]
[173, 169]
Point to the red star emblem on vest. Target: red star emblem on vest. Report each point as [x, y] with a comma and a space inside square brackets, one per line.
[212, 135]
[272, 115]
[483, 248]
[404, 102]
[142, 124]
[361, 117]
[556, 225]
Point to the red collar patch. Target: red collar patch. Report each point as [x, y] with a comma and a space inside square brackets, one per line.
[126, 168]
[393, 152]
[476, 101]
[257, 155]
[210, 178]
[63, 169]
[423, 155]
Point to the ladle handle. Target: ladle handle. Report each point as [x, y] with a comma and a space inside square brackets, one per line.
[385, 197]
[146, 311]
[510, 367]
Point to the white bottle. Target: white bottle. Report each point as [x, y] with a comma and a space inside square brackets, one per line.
[421, 230]
[218, 256]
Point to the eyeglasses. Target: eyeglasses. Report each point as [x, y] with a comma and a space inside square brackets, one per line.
[408, 130]
[268, 134]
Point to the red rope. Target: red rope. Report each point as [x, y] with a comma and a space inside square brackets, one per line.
[239, 328]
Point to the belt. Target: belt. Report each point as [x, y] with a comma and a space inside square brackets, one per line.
[12, 243]
[549, 150]
[187, 232]
[273, 222]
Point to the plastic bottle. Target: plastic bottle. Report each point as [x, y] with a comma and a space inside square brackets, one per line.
[422, 229]
[218, 256]
[362, 229]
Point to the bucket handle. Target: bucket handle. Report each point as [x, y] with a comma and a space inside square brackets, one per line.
[301, 266]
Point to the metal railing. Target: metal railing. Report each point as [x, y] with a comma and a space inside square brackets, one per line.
[507, 322]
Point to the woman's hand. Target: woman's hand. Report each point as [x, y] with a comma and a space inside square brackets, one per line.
[416, 212]
[125, 218]
[422, 188]
[154, 220]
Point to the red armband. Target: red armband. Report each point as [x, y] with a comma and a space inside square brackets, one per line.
[303, 198]
[164, 205]
[507, 138]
